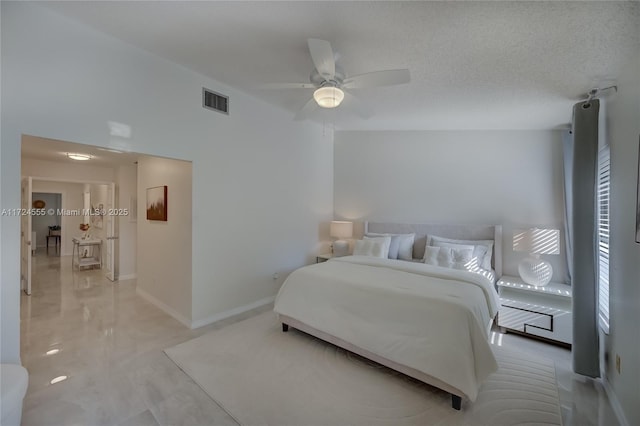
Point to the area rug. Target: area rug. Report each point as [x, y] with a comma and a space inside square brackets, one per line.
[262, 376]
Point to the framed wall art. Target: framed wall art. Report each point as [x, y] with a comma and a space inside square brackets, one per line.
[157, 203]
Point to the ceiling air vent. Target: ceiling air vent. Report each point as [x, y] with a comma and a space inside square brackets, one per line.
[215, 101]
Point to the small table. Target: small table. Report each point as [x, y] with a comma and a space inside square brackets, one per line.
[56, 239]
[96, 253]
[323, 257]
[544, 312]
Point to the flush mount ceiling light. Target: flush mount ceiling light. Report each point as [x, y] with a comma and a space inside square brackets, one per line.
[79, 157]
[328, 97]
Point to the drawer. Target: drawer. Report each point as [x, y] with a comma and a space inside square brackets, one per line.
[537, 319]
[522, 319]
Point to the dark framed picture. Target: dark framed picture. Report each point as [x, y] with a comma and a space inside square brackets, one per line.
[157, 203]
[638, 198]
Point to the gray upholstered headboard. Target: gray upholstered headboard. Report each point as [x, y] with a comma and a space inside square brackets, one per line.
[462, 232]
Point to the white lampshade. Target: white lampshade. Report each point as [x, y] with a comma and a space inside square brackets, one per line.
[328, 97]
[536, 241]
[341, 229]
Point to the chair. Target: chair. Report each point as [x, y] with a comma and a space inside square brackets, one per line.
[54, 232]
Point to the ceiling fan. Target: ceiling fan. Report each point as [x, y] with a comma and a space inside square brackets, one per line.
[330, 82]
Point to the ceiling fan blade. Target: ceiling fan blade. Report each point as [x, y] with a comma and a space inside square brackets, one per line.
[322, 56]
[377, 79]
[356, 105]
[287, 86]
[306, 110]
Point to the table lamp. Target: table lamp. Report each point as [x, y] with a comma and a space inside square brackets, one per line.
[533, 270]
[341, 229]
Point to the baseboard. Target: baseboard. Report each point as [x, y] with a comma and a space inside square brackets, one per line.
[613, 400]
[127, 277]
[232, 312]
[151, 299]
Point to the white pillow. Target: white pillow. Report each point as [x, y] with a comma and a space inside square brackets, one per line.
[483, 250]
[447, 257]
[374, 247]
[459, 246]
[386, 240]
[461, 258]
[431, 255]
[401, 246]
[405, 246]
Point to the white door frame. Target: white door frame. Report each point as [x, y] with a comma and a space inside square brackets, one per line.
[26, 245]
[111, 235]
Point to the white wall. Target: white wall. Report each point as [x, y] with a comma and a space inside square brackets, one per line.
[261, 182]
[164, 248]
[513, 178]
[623, 113]
[127, 226]
[71, 200]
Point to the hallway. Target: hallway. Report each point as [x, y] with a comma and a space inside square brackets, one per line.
[108, 342]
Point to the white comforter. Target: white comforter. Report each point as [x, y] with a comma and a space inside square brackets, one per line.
[426, 317]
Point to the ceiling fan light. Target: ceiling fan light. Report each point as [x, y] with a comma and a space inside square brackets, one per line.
[328, 97]
[79, 157]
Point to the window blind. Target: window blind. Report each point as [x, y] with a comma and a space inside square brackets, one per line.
[604, 174]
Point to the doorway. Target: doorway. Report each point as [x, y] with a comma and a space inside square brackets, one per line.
[150, 255]
[46, 230]
[61, 211]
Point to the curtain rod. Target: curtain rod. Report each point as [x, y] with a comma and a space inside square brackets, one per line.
[596, 92]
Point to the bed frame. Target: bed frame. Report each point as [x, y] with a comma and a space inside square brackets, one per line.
[466, 232]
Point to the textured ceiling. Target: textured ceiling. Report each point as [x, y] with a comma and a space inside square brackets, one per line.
[474, 65]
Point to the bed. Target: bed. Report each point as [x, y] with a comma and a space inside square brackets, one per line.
[426, 321]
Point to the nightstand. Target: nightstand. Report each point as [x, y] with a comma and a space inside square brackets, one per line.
[323, 257]
[543, 312]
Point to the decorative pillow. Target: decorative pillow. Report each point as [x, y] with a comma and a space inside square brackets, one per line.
[447, 257]
[393, 244]
[372, 247]
[405, 249]
[483, 249]
[401, 246]
[438, 256]
[461, 257]
[475, 255]
[431, 255]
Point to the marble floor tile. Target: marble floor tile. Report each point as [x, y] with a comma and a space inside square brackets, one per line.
[583, 401]
[109, 344]
[145, 418]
